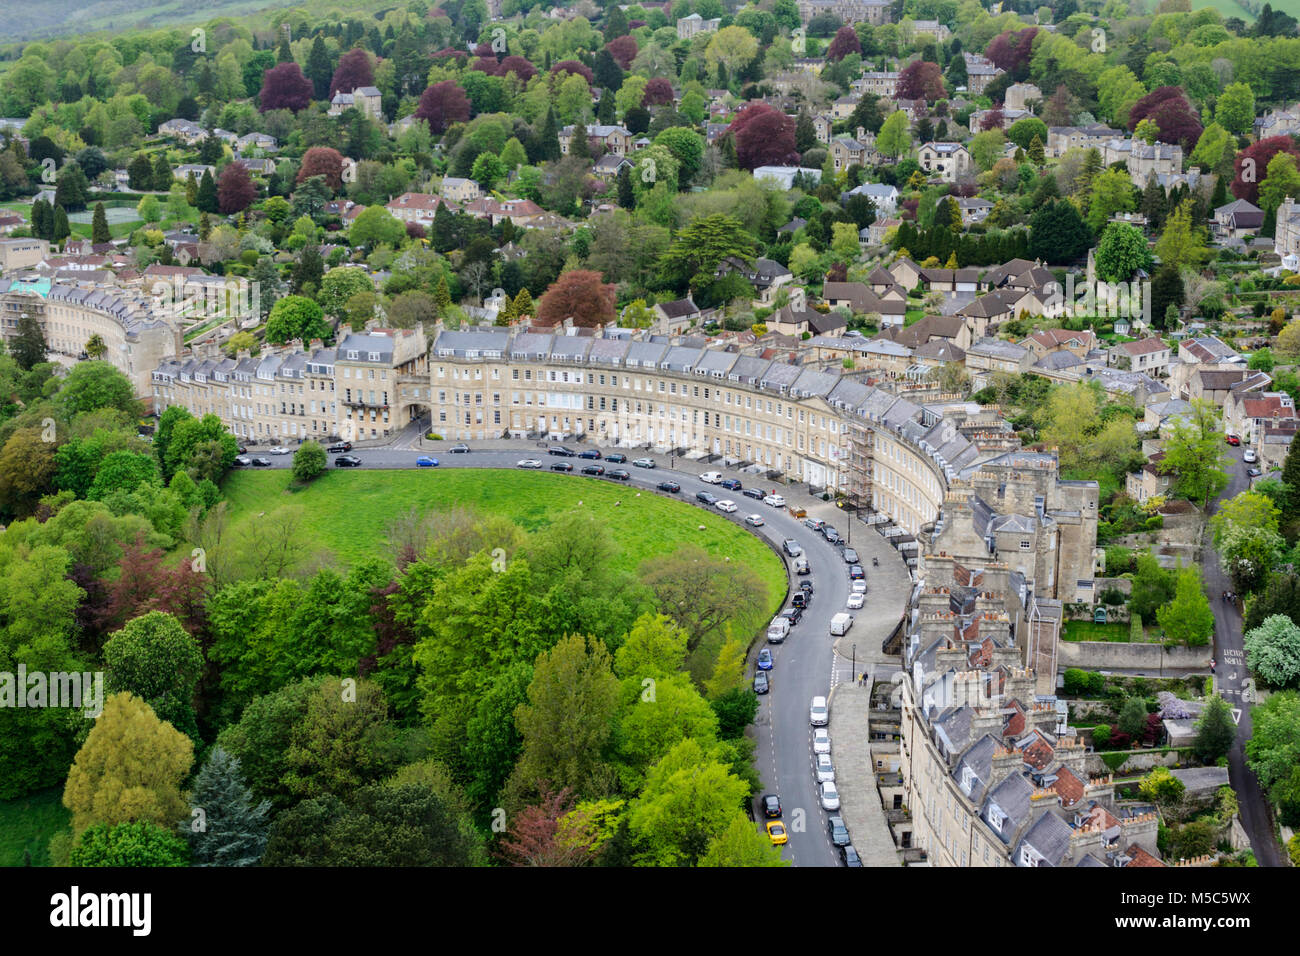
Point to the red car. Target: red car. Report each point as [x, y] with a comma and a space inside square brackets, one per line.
[1233, 440]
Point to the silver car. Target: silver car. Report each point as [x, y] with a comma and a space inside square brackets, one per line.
[824, 769]
[821, 741]
[830, 796]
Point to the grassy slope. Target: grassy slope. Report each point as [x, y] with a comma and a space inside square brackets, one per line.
[348, 511]
[28, 823]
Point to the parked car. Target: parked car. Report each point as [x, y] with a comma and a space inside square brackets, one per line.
[850, 856]
[821, 741]
[260, 462]
[765, 660]
[339, 447]
[755, 521]
[592, 453]
[800, 600]
[776, 501]
[850, 556]
[560, 451]
[777, 630]
[814, 523]
[771, 805]
[347, 461]
[856, 601]
[1249, 456]
[731, 484]
[242, 449]
[761, 683]
[754, 493]
[856, 573]
[644, 463]
[806, 587]
[726, 505]
[618, 474]
[858, 587]
[671, 487]
[593, 469]
[280, 450]
[792, 547]
[711, 477]
[792, 614]
[424, 461]
[776, 832]
[831, 535]
[1252, 472]
[561, 466]
[528, 463]
[1232, 440]
[707, 498]
[830, 796]
[616, 459]
[459, 449]
[839, 832]
[241, 461]
[818, 714]
[823, 768]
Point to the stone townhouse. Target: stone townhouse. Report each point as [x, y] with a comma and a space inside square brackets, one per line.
[1046, 341]
[1149, 481]
[980, 72]
[1286, 237]
[458, 189]
[1239, 219]
[614, 139]
[986, 356]
[1151, 355]
[949, 162]
[22, 253]
[875, 12]
[1248, 413]
[415, 207]
[883, 83]
[846, 152]
[1063, 138]
[694, 25]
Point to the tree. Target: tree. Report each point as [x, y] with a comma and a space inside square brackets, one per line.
[1282, 180]
[130, 768]
[235, 190]
[1162, 788]
[1111, 193]
[1193, 453]
[339, 285]
[308, 270]
[1188, 619]
[763, 136]
[285, 88]
[696, 253]
[72, 189]
[319, 69]
[1273, 749]
[578, 294]
[228, 825]
[1251, 164]
[1215, 731]
[375, 226]
[353, 72]
[1273, 651]
[1248, 509]
[1133, 717]
[322, 161]
[1121, 252]
[1168, 108]
[920, 80]
[1153, 587]
[1058, 234]
[139, 172]
[99, 232]
[128, 844]
[92, 385]
[154, 658]
[308, 462]
[689, 800]
[296, 317]
[1023, 131]
[207, 199]
[845, 42]
[731, 47]
[1235, 108]
[1280, 596]
[441, 105]
[740, 844]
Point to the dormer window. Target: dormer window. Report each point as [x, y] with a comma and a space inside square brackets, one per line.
[996, 817]
[352, 353]
[372, 356]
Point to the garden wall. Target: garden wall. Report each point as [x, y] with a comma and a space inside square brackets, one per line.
[1140, 761]
[1153, 658]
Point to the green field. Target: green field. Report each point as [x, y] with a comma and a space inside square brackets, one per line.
[26, 825]
[347, 511]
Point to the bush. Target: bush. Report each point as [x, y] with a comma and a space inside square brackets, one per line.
[1112, 597]
[1118, 560]
[308, 461]
[1101, 736]
[1096, 683]
[1076, 682]
[1114, 760]
[1154, 523]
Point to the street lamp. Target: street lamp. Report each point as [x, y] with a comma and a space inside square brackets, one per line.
[855, 660]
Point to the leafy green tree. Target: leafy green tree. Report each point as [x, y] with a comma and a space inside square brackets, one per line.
[1215, 731]
[650, 725]
[1121, 252]
[141, 843]
[1248, 509]
[1153, 586]
[895, 138]
[1273, 750]
[206, 198]
[122, 470]
[1182, 243]
[1188, 619]
[228, 825]
[156, 659]
[1112, 192]
[296, 317]
[309, 461]
[339, 285]
[92, 385]
[28, 345]
[376, 226]
[1058, 234]
[740, 844]
[1193, 452]
[1235, 108]
[129, 769]
[701, 246]
[1249, 555]
[1133, 718]
[1273, 651]
[1163, 788]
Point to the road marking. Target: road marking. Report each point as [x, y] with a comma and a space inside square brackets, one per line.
[1236, 715]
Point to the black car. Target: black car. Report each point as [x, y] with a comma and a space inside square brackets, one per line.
[347, 461]
[561, 451]
[831, 534]
[459, 449]
[839, 832]
[761, 683]
[800, 600]
[731, 484]
[771, 805]
[618, 474]
[671, 487]
[850, 856]
[260, 462]
[561, 466]
[593, 470]
[593, 453]
[856, 573]
[616, 459]
[707, 498]
[850, 556]
[806, 587]
[754, 493]
[793, 614]
[339, 447]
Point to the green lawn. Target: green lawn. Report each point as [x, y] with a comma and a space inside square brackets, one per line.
[1088, 631]
[347, 511]
[26, 825]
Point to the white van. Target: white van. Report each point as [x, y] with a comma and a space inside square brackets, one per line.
[841, 623]
[800, 565]
[711, 477]
[777, 630]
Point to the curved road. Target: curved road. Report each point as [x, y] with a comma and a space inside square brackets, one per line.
[804, 664]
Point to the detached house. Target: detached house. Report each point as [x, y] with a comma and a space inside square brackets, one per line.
[614, 139]
[1248, 413]
[1151, 355]
[947, 161]
[367, 99]
[1237, 220]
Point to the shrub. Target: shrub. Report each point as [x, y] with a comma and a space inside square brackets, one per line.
[1096, 683]
[1118, 560]
[1112, 597]
[1101, 736]
[308, 461]
[1076, 681]
[1114, 760]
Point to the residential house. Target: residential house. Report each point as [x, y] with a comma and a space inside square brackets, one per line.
[1046, 341]
[1237, 220]
[948, 162]
[1020, 95]
[997, 355]
[262, 141]
[980, 72]
[883, 84]
[415, 207]
[677, 315]
[1149, 481]
[688, 27]
[765, 275]
[1063, 138]
[613, 139]
[784, 176]
[458, 189]
[882, 196]
[1151, 355]
[1247, 413]
[367, 99]
[187, 131]
[974, 210]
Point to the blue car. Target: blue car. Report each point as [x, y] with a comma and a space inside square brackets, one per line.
[731, 484]
[765, 660]
[424, 461]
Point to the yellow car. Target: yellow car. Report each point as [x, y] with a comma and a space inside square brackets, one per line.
[776, 832]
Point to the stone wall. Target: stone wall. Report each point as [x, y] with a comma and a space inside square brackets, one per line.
[1151, 659]
[1139, 762]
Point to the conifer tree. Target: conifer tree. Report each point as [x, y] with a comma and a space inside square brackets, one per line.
[524, 303]
[206, 200]
[227, 827]
[99, 226]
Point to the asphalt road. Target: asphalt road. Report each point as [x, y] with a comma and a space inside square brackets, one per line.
[1230, 681]
[803, 665]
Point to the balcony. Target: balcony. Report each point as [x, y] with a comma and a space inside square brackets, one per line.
[364, 403]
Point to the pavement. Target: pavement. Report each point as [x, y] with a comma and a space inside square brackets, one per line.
[1230, 681]
[806, 665]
